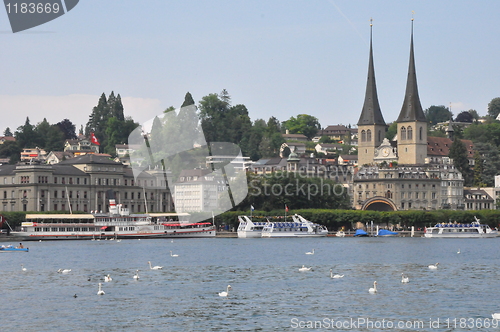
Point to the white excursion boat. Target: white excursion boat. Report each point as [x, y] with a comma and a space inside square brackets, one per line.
[118, 224]
[248, 228]
[300, 227]
[455, 230]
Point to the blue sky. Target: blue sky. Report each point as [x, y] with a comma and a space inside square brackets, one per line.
[280, 58]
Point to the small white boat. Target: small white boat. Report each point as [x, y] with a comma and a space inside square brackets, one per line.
[248, 228]
[300, 227]
[456, 230]
[340, 234]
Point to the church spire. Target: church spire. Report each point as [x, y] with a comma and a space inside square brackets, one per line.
[412, 109]
[371, 113]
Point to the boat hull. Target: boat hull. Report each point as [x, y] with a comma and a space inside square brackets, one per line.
[14, 249]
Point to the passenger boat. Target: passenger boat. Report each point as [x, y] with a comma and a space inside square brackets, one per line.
[300, 227]
[11, 248]
[248, 228]
[118, 224]
[456, 230]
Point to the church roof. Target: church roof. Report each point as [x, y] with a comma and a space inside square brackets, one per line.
[412, 109]
[371, 113]
[440, 147]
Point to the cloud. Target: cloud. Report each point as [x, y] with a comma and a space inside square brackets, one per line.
[75, 107]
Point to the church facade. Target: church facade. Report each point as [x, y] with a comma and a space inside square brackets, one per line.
[397, 175]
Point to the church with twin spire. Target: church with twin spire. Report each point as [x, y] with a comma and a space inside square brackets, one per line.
[397, 174]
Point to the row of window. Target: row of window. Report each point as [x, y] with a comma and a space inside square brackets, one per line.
[99, 181]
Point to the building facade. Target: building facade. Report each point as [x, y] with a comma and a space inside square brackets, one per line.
[81, 184]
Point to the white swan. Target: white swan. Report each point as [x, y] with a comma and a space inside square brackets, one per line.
[107, 278]
[310, 252]
[458, 251]
[496, 316]
[23, 268]
[173, 255]
[373, 290]
[404, 279]
[64, 270]
[136, 275]
[433, 267]
[226, 293]
[335, 276]
[303, 268]
[157, 267]
[100, 291]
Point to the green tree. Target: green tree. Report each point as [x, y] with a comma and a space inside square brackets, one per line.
[188, 100]
[491, 162]
[25, 135]
[67, 128]
[436, 114]
[392, 130]
[474, 114]
[10, 149]
[458, 152]
[464, 116]
[478, 170]
[494, 107]
[7, 132]
[304, 124]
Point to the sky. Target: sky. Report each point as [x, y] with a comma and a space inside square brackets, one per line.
[279, 58]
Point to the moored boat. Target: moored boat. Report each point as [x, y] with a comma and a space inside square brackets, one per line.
[11, 248]
[300, 227]
[458, 230]
[118, 224]
[248, 228]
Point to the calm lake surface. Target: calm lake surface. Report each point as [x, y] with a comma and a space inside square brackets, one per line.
[268, 291]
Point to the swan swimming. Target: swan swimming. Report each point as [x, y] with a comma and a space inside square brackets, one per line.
[433, 267]
[404, 279]
[373, 290]
[157, 267]
[335, 276]
[226, 293]
[496, 316]
[303, 268]
[23, 268]
[310, 252]
[458, 251]
[107, 278]
[64, 270]
[100, 291]
[136, 275]
[173, 255]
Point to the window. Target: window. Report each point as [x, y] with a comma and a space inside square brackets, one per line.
[363, 136]
[368, 135]
[409, 133]
[420, 133]
[403, 133]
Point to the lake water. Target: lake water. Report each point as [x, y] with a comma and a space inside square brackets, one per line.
[268, 292]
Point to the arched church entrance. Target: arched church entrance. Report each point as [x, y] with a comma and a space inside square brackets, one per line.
[379, 203]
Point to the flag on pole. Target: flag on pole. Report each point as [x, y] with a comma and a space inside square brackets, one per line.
[286, 208]
[93, 139]
[251, 208]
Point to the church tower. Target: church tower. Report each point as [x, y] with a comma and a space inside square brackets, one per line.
[371, 124]
[411, 123]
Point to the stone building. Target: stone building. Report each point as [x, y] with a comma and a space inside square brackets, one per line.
[81, 184]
